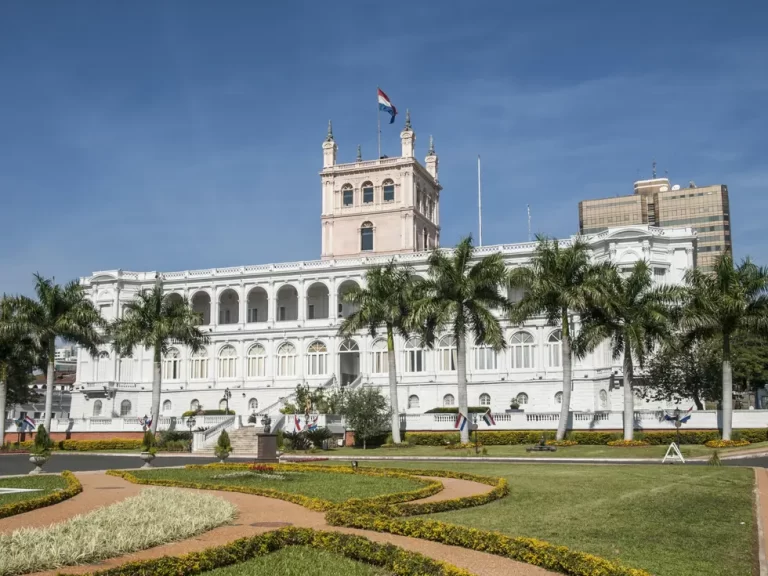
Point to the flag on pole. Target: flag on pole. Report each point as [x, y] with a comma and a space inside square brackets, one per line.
[488, 418]
[460, 422]
[313, 424]
[684, 416]
[29, 423]
[296, 423]
[385, 105]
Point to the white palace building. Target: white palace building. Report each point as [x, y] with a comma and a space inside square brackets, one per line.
[273, 326]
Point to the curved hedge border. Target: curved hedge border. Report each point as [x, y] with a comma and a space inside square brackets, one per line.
[430, 488]
[392, 558]
[73, 488]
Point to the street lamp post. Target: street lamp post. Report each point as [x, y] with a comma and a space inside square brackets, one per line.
[227, 396]
[191, 424]
[677, 425]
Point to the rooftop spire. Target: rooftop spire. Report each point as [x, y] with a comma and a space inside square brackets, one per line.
[407, 119]
[329, 138]
[359, 153]
[431, 151]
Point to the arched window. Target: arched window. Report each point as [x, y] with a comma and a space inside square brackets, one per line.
[485, 399]
[366, 237]
[449, 400]
[415, 356]
[125, 408]
[253, 404]
[97, 408]
[126, 369]
[485, 358]
[172, 365]
[102, 363]
[257, 361]
[554, 349]
[222, 404]
[522, 351]
[194, 406]
[413, 401]
[198, 365]
[286, 359]
[522, 398]
[559, 398]
[379, 357]
[167, 406]
[347, 195]
[317, 359]
[389, 190]
[446, 354]
[227, 362]
[603, 400]
[367, 193]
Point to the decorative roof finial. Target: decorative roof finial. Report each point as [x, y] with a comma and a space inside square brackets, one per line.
[654, 168]
[431, 146]
[359, 153]
[407, 119]
[329, 138]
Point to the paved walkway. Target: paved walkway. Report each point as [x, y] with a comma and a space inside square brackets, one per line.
[258, 514]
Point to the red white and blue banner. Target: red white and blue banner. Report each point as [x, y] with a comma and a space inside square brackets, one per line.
[385, 105]
[684, 416]
[488, 418]
[460, 422]
[296, 423]
[28, 424]
[146, 421]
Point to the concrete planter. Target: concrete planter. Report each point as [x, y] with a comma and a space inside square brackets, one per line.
[38, 460]
[147, 457]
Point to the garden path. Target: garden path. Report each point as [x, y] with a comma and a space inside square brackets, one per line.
[259, 514]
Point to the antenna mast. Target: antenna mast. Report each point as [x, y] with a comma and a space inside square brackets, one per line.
[479, 205]
[529, 222]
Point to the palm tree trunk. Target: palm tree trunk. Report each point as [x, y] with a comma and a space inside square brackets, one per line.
[461, 369]
[3, 387]
[391, 360]
[629, 397]
[156, 382]
[49, 385]
[565, 409]
[727, 404]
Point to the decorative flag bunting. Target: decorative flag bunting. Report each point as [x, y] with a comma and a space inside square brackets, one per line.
[297, 423]
[385, 105]
[29, 423]
[312, 425]
[684, 417]
[146, 421]
[488, 418]
[460, 422]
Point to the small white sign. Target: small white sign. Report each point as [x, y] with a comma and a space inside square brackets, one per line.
[673, 454]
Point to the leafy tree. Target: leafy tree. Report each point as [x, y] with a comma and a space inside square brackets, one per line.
[749, 354]
[634, 316]
[558, 283]
[728, 300]
[223, 445]
[43, 443]
[385, 301]
[460, 297]
[59, 312]
[155, 320]
[367, 413]
[337, 401]
[683, 370]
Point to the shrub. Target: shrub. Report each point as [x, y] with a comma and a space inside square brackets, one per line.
[73, 487]
[432, 438]
[114, 530]
[714, 460]
[318, 435]
[754, 435]
[726, 443]
[395, 446]
[223, 445]
[43, 444]
[189, 413]
[562, 443]
[95, 445]
[686, 437]
[628, 443]
[173, 436]
[594, 438]
[148, 442]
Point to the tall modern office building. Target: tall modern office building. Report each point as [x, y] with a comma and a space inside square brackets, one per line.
[657, 203]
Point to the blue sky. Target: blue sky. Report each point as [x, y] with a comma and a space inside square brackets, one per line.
[187, 134]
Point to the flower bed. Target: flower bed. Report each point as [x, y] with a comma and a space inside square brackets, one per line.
[387, 556]
[726, 443]
[562, 443]
[73, 488]
[628, 443]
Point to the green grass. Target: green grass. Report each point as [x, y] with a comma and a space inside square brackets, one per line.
[299, 561]
[46, 484]
[327, 486]
[669, 520]
[582, 451]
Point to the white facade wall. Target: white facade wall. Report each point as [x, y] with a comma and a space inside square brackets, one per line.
[301, 284]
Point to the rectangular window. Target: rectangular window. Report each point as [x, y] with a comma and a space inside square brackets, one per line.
[282, 313]
[389, 193]
[414, 361]
[368, 195]
[253, 315]
[366, 239]
[348, 197]
[311, 311]
[659, 273]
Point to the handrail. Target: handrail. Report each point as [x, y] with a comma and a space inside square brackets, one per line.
[203, 437]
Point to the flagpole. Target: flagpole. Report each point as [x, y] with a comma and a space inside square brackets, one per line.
[479, 205]
[378, 121]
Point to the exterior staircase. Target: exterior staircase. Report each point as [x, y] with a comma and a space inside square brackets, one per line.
[243, 442]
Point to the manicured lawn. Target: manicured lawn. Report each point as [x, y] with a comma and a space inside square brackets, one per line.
[46, 484]
[581, 451]
[327, 486]
[670, 520]
[299, 561]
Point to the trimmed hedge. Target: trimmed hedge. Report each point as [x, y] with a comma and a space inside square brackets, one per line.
[455, 410]
[73, 488]
[430, 488]
[392, 558]
[189, 413]
[93, 445]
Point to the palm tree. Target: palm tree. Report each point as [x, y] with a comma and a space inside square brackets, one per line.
[460, 296]
[558, 282]
[635, 316]
[386, 300]
[155, 320]
[62, 312]
[729, 299]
